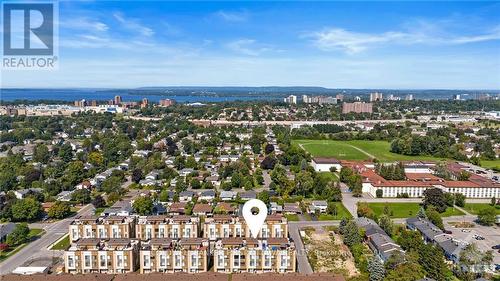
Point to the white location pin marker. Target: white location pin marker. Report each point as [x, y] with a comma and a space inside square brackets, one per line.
[254, 221]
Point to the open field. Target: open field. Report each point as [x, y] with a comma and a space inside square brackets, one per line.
[474, 208]
[406, 210]
[355, 150]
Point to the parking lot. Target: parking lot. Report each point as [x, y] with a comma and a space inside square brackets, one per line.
[491, 236]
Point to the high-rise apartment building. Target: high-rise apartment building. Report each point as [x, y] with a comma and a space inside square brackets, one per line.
[118, 100]
[291, 99]
[376, 97]
[357, 107]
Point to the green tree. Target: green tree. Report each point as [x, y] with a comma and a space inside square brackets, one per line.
[81, 196]
[143, 205]
[460, 200]
[98, 201]
[163, 196]
[409, 271]
[352, 234]
[96, 158]
[66, 152]
[434, 217]
[59, 210]
[41, 153]
[432, 260]
[421, 213]
[436, 198]
[332, 208]
[19, 235]
[487, 216]
[386, 224]
[264, 196]
[472, 262]
[376, 269]
[27, 209]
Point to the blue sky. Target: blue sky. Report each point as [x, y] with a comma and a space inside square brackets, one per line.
[403, 45]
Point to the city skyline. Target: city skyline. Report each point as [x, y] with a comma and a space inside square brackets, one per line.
[406, 45]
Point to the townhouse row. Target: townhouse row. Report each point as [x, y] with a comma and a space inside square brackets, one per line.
[116, 244]
[189, 255]
[147, 227]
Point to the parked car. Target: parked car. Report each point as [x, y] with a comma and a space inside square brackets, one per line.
[448, 231]
[496, 247]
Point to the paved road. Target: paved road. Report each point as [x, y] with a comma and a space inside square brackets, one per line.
[38, 248]
[293, 230]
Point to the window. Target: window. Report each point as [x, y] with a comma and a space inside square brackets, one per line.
[177, 260]
[148, 232]
[163, 260]
[71, 261]
[146, 260]
[176, 233]
[253, 259]
[101, 233]
[220, 260]
[188, 232]
[102, 260]
[236, 260]
[115, 232]
[162, 232]
[284, 260]
[87, 260]
[119, 260]
[194, 260]
[267, 260]
[212, 231]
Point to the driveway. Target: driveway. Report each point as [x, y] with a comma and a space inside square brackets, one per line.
[38, 249]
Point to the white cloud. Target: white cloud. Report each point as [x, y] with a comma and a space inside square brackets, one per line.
[133, 25]
[84, 23]
[248, 47]
[232, 16]
[354, 42]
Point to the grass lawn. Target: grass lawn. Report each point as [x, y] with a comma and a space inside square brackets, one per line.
[342, 212]
[329, 176]
[292, 217]
[406, 210]
[474, 208]
[62, 244]
[346, 150]
[491, 164]
[34, 233]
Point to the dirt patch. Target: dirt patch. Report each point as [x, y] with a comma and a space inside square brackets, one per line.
[327, 253]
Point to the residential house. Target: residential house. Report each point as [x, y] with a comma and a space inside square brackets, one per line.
[207, 195]
[202, 209]
[318, 205]
[291, 208]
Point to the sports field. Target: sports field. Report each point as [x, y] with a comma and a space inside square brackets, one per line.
[355, 150]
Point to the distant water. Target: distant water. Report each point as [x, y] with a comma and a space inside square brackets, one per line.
[89, 94]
